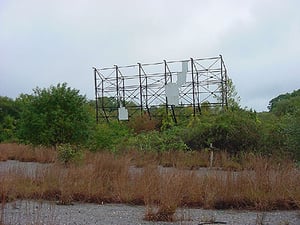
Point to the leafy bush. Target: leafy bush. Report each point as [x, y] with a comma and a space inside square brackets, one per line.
[233, 131]
[283, 104]
[9, 113]
[286, 110]
[198, 136]
[68, 153]
[108, 136]
[273, 139]
[236, 131]
[52, 116]
[291, 130]
[7, 129]
[157, 141]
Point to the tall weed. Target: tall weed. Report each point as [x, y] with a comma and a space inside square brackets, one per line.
[107, 177]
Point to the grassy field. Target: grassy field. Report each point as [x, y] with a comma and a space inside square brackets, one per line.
[250, 182]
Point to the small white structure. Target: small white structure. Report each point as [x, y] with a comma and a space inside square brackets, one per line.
[185, 67]
[172, 93]
[181, 76]
[122, 113]
[181, 79]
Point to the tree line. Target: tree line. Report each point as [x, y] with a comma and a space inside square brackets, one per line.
[60, 115]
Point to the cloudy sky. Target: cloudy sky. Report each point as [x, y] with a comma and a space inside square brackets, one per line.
[45, 42]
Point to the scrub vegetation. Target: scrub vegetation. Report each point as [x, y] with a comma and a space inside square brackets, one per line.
[255, 182]
[152, 162]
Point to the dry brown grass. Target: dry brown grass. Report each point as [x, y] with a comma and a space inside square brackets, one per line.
[26, 153]
[105, 177]
[143, 123]
[177, 159]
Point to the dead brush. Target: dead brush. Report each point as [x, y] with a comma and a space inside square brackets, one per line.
[3, 203]
[184, 159]
[143, 159]
[106, 177]
[109, 177]
[164, 198]
[26, 153]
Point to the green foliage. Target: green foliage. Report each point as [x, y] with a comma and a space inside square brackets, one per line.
[8, 107]
[108, 136]
[60, 116]
[53, 116]
[7, 128]
[233, 98]
[233, 131]
[291, 130]
[272, 136]
[286, 108]
[197, 137]
[167, 123]
[285, 103]
[168, 140]
[241, 131]
[9, 113]
[68, 153]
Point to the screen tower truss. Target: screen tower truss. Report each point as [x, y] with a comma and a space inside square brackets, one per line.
[147, 88]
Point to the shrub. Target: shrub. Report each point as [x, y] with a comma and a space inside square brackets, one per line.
[9, 114]
[143, 123]
[233, 131]
[157, 141]
[291, 132]
[53, 116]
[68, 153]
[107, 136]
[198, 136]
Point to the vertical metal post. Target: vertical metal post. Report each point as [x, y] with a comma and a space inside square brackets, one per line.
[147, 95]
[222, 83]
[166, 82]
[123, 93]
[173, 113]
[102, 102]
[226, 88]
[141, 88]
[96, 95]
[198, 93]
[117, 86]
[146, 90]
[193, 86]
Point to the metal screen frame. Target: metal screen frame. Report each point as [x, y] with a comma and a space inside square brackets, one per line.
[141, 88]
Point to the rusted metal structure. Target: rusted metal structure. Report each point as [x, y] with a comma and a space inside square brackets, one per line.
[122, 91]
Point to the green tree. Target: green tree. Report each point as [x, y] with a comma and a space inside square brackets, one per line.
[284, 104]
[236, 131]
[233, 131]
[107, 136]
[9, 113]
[232, 96]
[286, 107]
[273, 139]
[291, 125]
[53, 116]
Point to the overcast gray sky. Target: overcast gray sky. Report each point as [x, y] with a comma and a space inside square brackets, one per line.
[45, 42]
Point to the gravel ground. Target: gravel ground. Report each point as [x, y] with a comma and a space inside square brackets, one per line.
[27, 168]
[33, 212]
